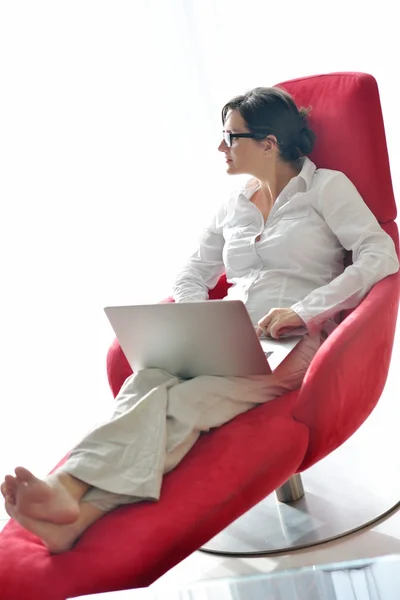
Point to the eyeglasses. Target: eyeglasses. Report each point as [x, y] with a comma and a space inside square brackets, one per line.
[228, 136]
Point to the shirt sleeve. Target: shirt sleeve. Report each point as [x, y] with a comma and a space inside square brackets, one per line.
[373, 253]
[203, 269]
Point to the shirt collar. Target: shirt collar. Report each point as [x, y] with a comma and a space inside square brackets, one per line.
[306, 175]
[307, 172]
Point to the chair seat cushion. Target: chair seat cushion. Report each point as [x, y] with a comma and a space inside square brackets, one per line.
[229, 470]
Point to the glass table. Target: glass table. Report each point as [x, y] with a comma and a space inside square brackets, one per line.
[367, 579]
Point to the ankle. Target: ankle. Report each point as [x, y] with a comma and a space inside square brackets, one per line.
[75, 487]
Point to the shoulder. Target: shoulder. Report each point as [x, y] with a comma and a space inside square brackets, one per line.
[250, 186]
[337, 198]
[333, 186]
[331, 178]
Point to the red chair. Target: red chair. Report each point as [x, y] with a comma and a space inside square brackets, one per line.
[232, 469]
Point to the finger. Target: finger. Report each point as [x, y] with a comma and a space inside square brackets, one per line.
[274, 330]
[260, 332]
[264, 322]
[264, 334]
[285, 330]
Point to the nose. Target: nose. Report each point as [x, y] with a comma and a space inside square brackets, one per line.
[222, 147]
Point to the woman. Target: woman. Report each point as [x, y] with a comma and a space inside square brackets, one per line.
[281, 241]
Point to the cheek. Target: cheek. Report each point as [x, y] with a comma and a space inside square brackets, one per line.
[251, 157]
[237, 154]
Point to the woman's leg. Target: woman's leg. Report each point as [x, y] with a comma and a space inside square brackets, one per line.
[53, 508]
[56, 498]
[156, 422]
[208, 401]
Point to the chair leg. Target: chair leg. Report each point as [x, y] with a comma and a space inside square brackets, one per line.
[290, 491]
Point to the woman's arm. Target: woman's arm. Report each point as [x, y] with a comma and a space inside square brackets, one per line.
[373, 252]
[203, 269]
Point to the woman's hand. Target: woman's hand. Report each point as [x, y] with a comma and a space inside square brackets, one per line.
[278, 321]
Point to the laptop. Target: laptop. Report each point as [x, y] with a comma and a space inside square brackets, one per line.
[188, 339]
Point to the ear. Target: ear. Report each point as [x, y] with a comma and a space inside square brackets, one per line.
[270, 143]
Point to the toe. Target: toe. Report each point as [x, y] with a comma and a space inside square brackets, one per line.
[9, 489]
[24, 476]
[11, 483]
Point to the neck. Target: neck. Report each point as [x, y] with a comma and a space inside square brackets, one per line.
[276, 180]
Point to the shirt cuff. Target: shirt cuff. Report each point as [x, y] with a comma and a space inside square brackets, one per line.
[314, 325]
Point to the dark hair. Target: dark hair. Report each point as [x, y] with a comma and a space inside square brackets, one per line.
[272, 111]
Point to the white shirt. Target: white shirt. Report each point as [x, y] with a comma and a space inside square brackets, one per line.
[298, 261]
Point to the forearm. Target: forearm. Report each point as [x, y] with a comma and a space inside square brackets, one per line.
[202, 271]
[189, 287]
[345, 291]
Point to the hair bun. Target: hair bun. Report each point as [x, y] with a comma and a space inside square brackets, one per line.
[306, 140]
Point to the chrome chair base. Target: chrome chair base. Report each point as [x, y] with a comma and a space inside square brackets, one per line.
[347, 491]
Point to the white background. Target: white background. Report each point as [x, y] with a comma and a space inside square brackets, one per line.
[109, 124]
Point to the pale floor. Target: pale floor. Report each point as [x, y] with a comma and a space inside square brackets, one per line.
[380, 434]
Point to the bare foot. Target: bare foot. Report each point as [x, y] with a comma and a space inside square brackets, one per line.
[45, 500]
[9, 488]
[56, 538]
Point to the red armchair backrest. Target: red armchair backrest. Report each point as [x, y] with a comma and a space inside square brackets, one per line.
[347, 119]
[341, 389]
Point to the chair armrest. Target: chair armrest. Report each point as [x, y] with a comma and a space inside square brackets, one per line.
[349, 371]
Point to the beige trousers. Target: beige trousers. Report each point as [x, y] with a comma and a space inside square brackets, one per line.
[157, 420]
